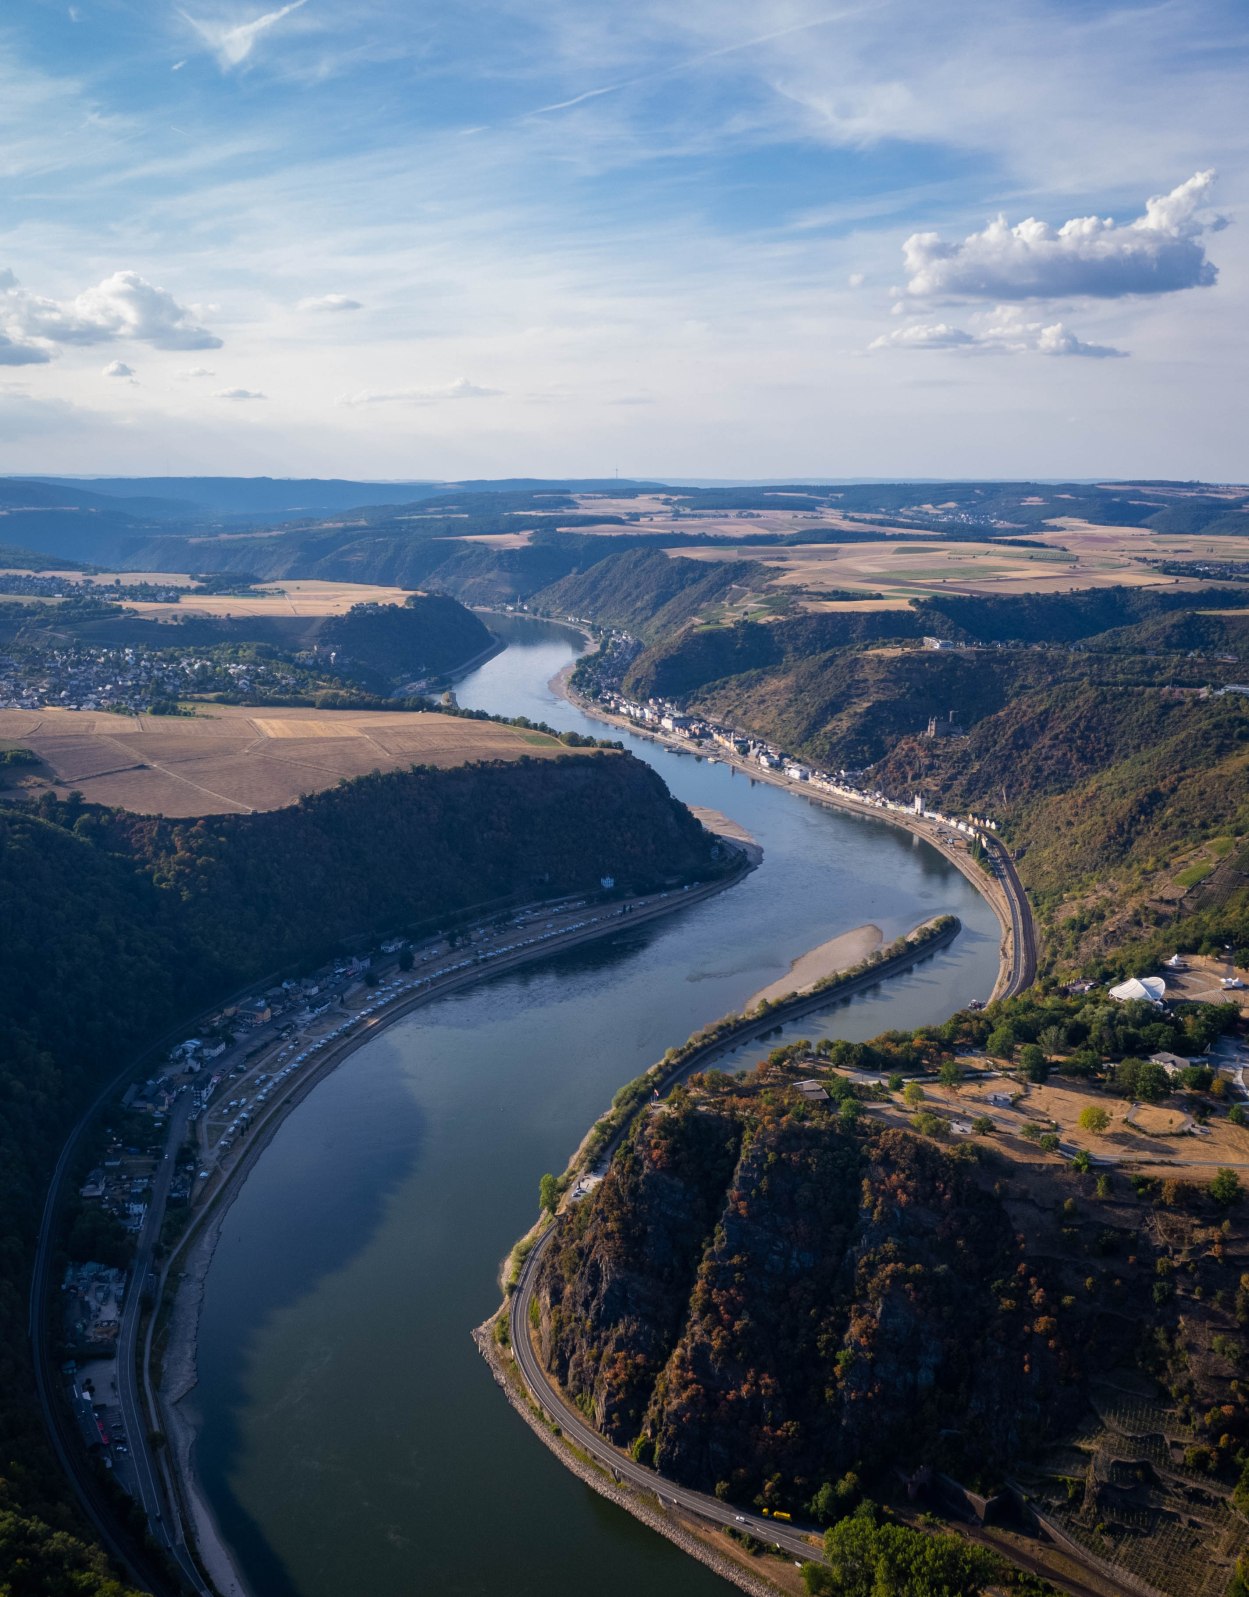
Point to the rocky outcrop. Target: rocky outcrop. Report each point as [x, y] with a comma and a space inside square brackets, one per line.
[772, 1297]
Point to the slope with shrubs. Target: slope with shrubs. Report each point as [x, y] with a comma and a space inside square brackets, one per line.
[764, 1296]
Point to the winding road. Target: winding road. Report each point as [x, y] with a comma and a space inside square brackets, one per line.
[802, 1544]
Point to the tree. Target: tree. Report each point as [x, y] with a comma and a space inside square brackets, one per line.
[913, 1094]
[1094, 1118]
[983, 1126]
[949, 1075]
[1225, 1188]
[406, 957]
[895, 1083]
[548, 1193]
[1141, 1078]
[1053, 1039]
[1001, 1042]
[1033, 1063]
[865, 1559]
[1236, 1114]
[1082, 1164]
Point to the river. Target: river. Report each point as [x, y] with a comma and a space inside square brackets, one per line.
[352, 1440]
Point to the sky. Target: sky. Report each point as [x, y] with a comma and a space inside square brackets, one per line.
[720, 239]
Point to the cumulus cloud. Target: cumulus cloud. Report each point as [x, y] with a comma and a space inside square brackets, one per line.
[118, 368]
[239, 393]
[13, 352]
[189, 372]
[1006, 331]
[124, 305]
[462, 389]
[328, 302]
[232, 44]
[1160, 252]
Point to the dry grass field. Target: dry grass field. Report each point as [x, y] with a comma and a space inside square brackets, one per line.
[229, 759]
[1154, 1139]
[287, 597]
[916, 568]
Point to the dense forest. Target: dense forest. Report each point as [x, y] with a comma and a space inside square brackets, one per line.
[119, 926]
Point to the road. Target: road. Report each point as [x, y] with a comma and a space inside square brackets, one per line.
[1022, 972]
[163, 1526]
[801, 1543]
[792, 1539]
[1023, 932]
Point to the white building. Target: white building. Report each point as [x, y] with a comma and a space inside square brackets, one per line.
[1147, 989]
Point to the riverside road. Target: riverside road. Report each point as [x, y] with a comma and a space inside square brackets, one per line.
[802, 1544]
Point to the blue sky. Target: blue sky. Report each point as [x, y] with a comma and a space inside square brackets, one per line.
[362, 237]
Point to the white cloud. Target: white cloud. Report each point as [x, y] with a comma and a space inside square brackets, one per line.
[855, 279]
[15, 353]
[189, 372]
[924, 335]
[328, 302]
[1006, 332]
[1158, 253]
[233, 43]
[462, 389]
[239, 393]
[118, 368]
[124, 305]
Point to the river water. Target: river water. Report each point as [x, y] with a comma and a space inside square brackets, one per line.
[352, 1440]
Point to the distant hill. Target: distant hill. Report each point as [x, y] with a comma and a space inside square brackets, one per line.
[650, 594]
[304, 496]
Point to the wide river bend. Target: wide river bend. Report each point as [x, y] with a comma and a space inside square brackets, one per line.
[351, 1439]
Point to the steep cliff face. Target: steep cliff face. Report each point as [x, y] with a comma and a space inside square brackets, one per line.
[768, 1299]
[612, 1298]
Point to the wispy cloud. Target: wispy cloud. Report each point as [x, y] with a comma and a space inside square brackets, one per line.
[328, 302]
[233, 43]
[462, 389]
[1006, 332]
[239, 393]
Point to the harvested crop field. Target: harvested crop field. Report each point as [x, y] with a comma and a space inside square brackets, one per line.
[901, 569]
[228, 759]
[287, 597]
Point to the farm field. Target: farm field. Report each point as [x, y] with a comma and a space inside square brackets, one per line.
[286, 596]
[912, 568]
[232, 759]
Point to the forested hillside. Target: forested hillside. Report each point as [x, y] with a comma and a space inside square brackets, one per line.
[649, 593]
[118, 926]
[790, 1304]
[1091, 725]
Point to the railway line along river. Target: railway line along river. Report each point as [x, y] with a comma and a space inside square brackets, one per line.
[350, 1437]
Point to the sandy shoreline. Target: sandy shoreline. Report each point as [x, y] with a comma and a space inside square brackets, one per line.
[178, 1369]
[838, 953]
[987, 886]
